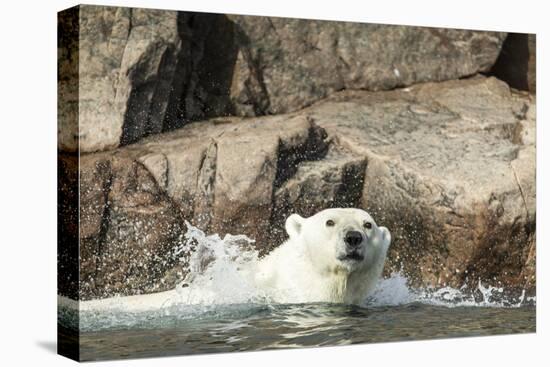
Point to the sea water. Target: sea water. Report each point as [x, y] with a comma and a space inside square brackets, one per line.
[217, 308]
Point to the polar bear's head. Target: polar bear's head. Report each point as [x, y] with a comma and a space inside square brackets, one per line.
[340, 239]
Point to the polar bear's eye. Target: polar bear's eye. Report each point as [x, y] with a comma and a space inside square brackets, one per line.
[330, 223]
[367, 225]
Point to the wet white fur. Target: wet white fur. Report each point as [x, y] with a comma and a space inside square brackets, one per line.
[307, 268]
[303, 269]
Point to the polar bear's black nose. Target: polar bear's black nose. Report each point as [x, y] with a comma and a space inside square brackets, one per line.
[353, 238]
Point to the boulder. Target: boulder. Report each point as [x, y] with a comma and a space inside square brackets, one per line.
[223, 173]
[448, 167]
[451, 172]
[129, 229]
[286, 64]
[123, 64]
[126, 73]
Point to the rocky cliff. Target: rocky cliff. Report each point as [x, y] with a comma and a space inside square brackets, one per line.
[232, 123]
[144, 71]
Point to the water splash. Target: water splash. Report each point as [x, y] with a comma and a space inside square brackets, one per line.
[395, 290]
[220, 283]
[219, 269]
[225, 279]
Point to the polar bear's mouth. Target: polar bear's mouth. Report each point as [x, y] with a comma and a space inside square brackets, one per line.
[355, 256]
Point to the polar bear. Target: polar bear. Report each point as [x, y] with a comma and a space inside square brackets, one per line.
[336, 255]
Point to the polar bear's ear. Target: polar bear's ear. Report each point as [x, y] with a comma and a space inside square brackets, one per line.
[385, 236]
[293, 225]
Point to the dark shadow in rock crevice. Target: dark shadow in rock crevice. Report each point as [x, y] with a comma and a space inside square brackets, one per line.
[204, 70]
[215, 69]
[193, 81]
[289, 157]
[147, 96]
[256, 98]
[515, 63]
[350, 192]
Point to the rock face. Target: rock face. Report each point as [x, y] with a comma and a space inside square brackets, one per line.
[286, 64]
[68, 262]
[129, 228]
[448, 167]
[126, 61]
[223, 173]
[67, 79]
[127, 73]
[451, 171]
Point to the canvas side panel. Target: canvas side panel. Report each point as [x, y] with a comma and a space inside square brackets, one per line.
[67, 183]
